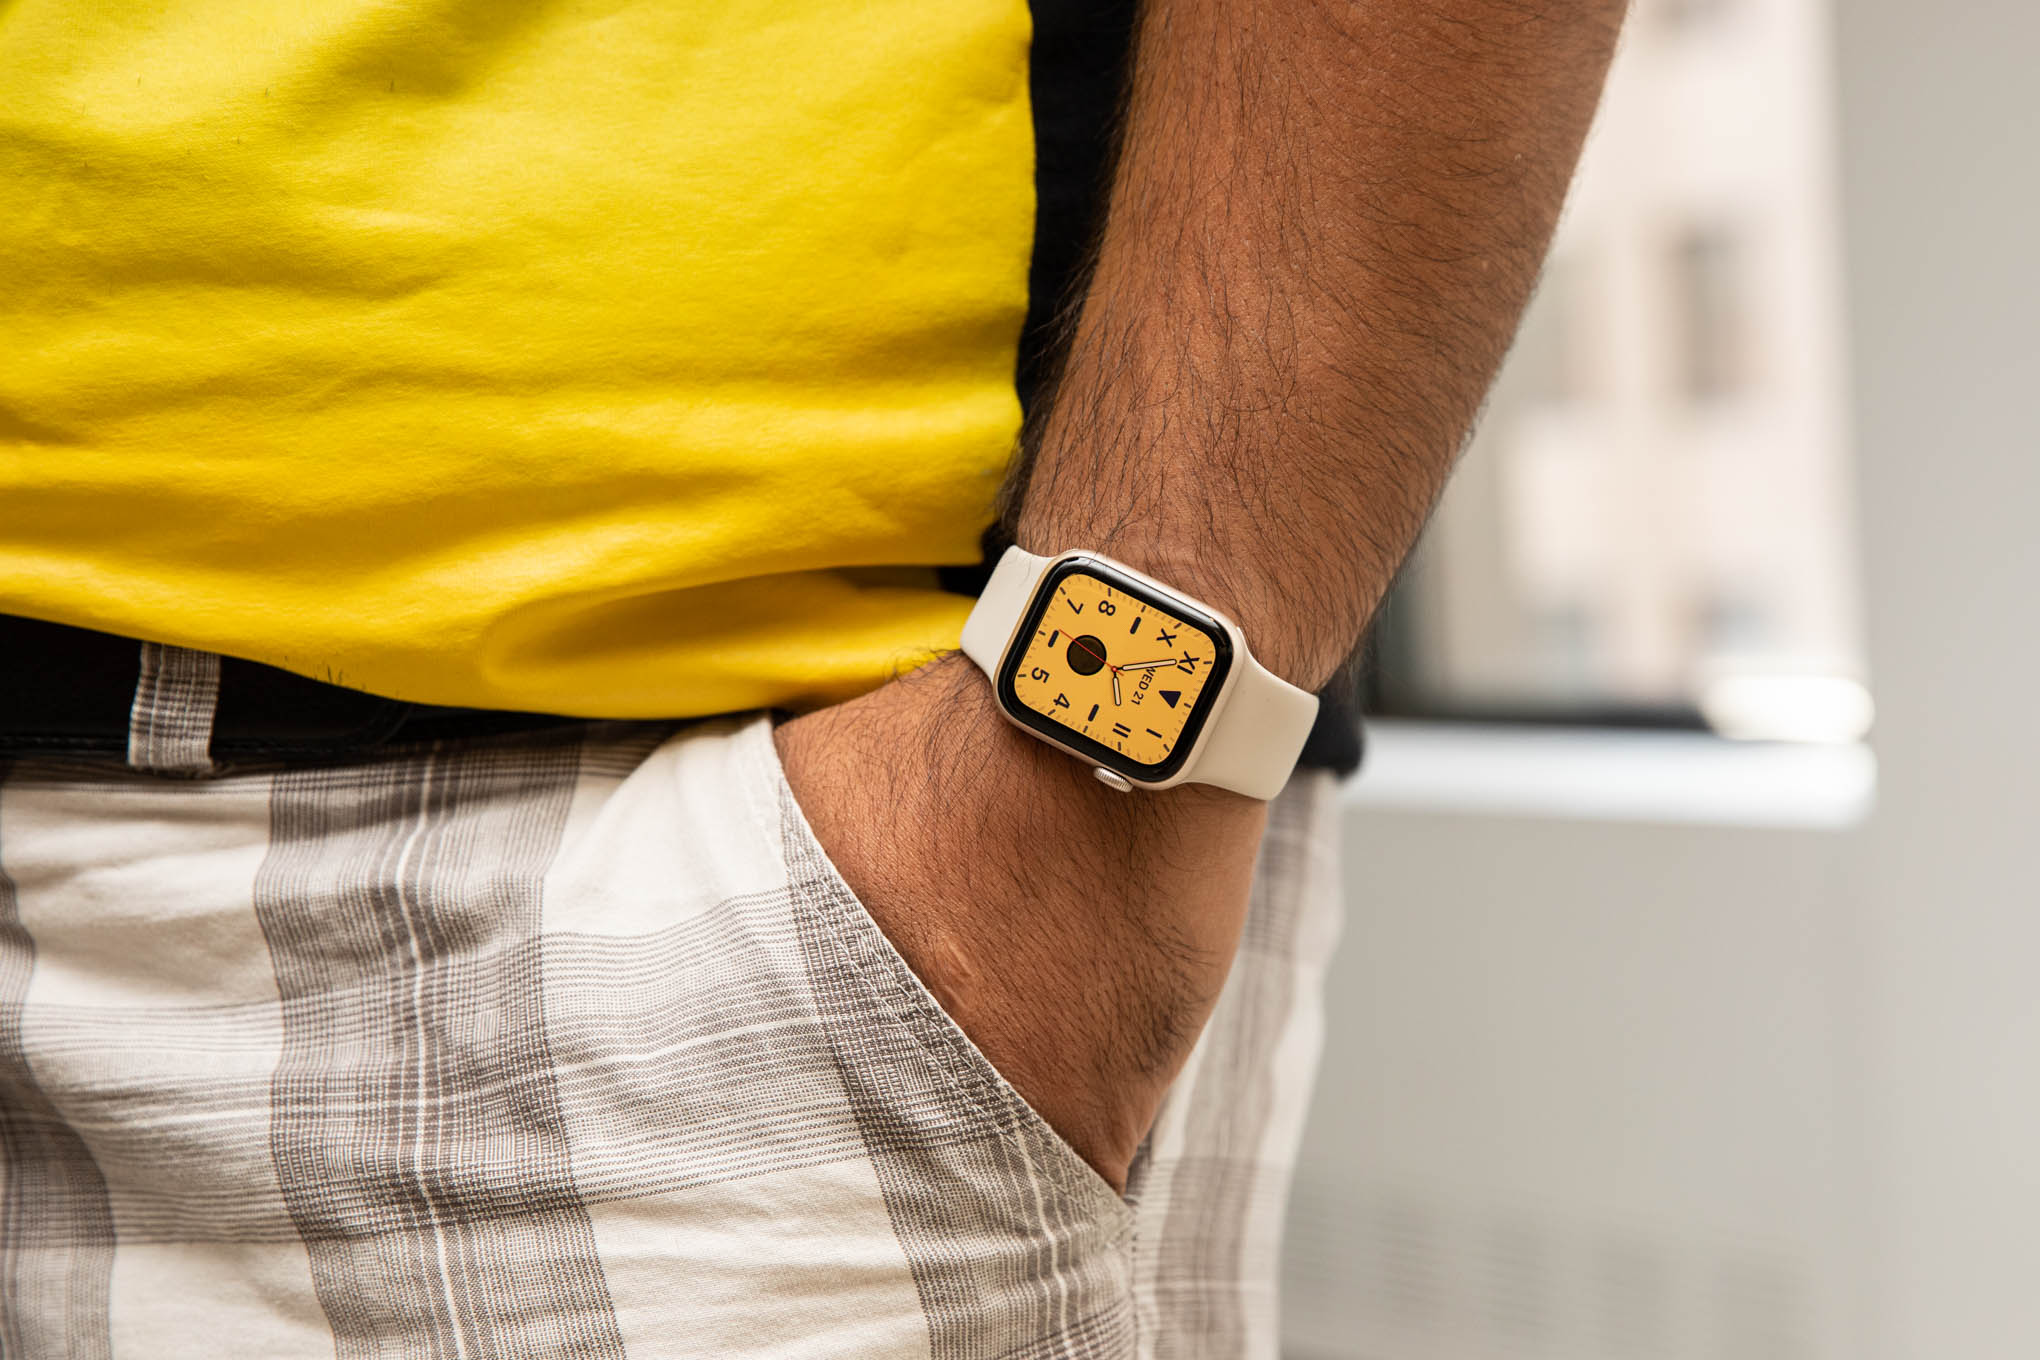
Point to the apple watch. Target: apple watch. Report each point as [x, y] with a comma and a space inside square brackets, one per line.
[1147, 686]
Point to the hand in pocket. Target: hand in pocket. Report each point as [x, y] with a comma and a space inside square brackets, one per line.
[1079, 936]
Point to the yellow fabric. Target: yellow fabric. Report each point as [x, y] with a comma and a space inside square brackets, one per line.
[624, 359]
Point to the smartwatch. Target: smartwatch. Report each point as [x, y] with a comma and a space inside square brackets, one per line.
[1147, 686]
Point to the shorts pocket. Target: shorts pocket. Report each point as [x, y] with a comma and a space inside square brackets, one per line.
[861, 970]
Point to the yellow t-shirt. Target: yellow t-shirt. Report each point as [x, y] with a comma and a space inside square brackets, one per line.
[615, 359]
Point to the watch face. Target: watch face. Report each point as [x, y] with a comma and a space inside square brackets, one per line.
[1115, 669]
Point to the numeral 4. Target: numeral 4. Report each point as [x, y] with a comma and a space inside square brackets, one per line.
[1062, 701]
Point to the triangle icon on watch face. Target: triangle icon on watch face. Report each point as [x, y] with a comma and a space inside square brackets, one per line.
[1171, 697]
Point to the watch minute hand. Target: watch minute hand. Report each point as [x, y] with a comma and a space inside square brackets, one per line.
[1148, 665]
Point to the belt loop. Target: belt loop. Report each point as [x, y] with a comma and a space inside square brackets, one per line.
[170, 726]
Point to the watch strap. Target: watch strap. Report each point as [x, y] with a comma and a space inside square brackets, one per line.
[1006, 596]
[1253, 739]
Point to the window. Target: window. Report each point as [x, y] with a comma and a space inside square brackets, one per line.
[1653, 524]
[1709, 315]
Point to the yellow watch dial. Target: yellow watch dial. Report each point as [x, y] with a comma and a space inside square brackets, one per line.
[1105, 664]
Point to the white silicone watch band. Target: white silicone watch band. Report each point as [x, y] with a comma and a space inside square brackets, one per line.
[1250, 741]
[997, 613]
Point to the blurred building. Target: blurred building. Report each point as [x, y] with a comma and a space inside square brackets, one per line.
[1658, 496]
[1582, 1094]
[1645, 1045]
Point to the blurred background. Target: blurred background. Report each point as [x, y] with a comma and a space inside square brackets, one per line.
[1689, 1000]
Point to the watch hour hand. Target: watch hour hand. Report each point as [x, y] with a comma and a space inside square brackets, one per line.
[1115, 686]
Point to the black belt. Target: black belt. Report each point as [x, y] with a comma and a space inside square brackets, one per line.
[72, 691]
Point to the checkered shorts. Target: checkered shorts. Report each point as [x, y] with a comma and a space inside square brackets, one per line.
[574, 1044]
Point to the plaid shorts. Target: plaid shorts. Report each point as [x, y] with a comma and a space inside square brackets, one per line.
[573, 1043]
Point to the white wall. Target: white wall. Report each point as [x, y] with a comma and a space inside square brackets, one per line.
[1609, 1089]
[1941, 168]
[1586, 1093]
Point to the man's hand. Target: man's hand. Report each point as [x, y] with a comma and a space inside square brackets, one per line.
[1079, 936]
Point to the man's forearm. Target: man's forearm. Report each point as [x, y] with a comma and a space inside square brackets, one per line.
[1324, 223]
